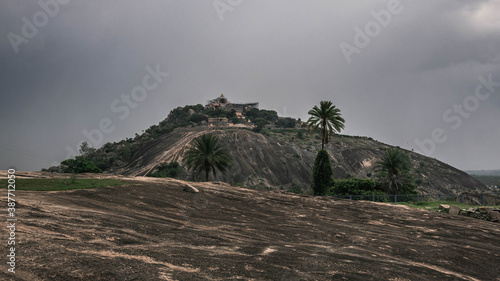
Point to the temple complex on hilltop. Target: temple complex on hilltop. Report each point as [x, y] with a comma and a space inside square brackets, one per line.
[240, 108]
[222, 103]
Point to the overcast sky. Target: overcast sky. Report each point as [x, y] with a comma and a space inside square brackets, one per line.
[400, 72]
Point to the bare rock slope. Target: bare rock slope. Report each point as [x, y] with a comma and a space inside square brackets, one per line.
[152, 230]
[282, 160]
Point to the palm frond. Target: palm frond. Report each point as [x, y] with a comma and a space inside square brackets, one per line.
[326, 117]
[207, 154]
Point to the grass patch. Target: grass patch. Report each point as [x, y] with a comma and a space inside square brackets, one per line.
[62, 184]
[434, 205]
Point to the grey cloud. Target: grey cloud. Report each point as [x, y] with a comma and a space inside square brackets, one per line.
[284, 54]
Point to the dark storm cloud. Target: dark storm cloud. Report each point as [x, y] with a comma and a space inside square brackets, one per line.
[284, 54]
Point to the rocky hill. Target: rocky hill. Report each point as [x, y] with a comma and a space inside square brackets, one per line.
[283, 159]
[269, 152]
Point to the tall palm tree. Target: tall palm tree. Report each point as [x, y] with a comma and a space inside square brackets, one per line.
[328, 118]
[207, 154]
[394, 165]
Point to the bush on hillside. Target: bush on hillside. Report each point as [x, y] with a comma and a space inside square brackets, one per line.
[286, 122]
[355, 186]
[259, 123]
[79, 165]
[270, 116]
[170, 170]
[322, 173]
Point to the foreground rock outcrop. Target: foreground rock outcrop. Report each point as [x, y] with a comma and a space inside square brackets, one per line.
[484, 213]
[151, 229]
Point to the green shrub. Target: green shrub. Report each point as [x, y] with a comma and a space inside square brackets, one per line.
[286, 122]
[270, 116]
[170, 170]
[322, 173]
[79, 165]
[355, 186]
[300, 135]
[197, 118]
[259, 123]
[125, 153]
[295, 188]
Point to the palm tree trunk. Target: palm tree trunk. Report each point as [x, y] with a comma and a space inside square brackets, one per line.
[324, 133]
[206, 175]
[394, 184]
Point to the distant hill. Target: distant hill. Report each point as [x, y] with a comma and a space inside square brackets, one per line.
[483, 172]
[488, 177]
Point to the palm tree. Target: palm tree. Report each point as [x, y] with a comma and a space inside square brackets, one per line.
[328, 118]
[394, 166]
[207, 154]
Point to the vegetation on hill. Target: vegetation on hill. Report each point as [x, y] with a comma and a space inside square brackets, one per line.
[393, 169]
[117, 154]
[261, 117]
[79, 165]
[355, 186]
[170, 170]
[329, 120]
[280, 155]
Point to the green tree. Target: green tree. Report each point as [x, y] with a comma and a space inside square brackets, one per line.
[207, 154]
[326, 117]
[286, 122]
[86, 150]
[322, 173]
[79, 165]
[125, 152]
[254, 114]
[394, 167]
[259, 123]
[197, 118]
